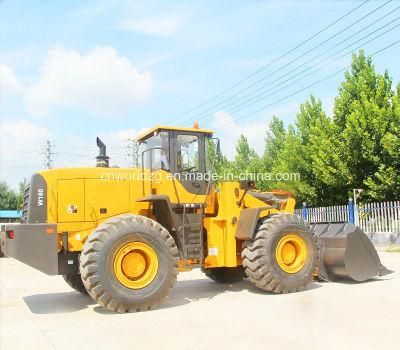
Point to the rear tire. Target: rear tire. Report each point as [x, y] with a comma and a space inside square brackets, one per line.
[225, 274]
[75, 282]
[261, 260]
[124, 287]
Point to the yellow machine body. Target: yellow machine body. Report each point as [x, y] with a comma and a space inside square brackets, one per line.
[80, 199]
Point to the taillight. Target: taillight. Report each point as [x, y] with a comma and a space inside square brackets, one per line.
[10, 234]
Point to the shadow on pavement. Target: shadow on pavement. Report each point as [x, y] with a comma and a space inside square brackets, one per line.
[186, 292]
[372, 280]
[183, 293]
[63, 302]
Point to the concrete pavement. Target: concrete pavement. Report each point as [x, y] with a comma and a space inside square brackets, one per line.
[43, 312]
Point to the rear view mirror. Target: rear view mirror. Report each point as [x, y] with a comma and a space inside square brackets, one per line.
[217, 146]
[218, 149]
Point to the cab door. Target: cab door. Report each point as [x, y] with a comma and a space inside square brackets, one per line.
[188, 160]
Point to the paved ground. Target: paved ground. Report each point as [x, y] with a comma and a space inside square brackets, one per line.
[42, 312]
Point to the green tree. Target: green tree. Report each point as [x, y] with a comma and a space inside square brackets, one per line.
[291, 160]
[322, 167]
[384, 183]
[245, 159]
[215, 160]
[8, 197]
[21, 193]
[366, 117]
[274, 142]
[292, 152]
[358, 147]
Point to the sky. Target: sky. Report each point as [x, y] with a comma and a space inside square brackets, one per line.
[74, 70]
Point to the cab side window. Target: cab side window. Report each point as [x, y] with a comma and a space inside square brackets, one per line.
[187, 154]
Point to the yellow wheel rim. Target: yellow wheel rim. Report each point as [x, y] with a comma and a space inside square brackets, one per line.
[135, 265]
[291, 253]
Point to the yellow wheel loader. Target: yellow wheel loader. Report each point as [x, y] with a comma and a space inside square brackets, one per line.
[122, 235]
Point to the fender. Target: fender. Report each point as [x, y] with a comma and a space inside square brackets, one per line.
[247, 222]
[162, 209]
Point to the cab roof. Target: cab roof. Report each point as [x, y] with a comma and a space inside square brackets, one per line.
[159, 128]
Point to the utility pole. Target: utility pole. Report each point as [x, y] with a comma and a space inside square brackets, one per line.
[133, 153]
[48, 153]
[356, 194]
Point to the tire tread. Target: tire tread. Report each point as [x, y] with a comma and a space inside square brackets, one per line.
[91, 251]
[257, 253]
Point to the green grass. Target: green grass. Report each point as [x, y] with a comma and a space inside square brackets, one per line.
[393, 249]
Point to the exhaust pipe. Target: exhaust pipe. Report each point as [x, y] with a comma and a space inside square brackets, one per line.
[102, 160]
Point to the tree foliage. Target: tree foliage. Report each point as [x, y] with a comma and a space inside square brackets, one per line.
[9, 199]
[358, 146]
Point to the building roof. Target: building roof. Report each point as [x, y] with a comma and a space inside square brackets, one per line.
[176, 128]
[10, 214]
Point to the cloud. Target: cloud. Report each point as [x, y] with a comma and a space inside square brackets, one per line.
[229, 132]
[117, 144]
[22, 149]
[161, 26]
[81, 151]
[101, 82]
[10, 86]
[20, 135]
[21, 144]
[8, 81]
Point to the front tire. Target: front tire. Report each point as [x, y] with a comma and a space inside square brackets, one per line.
[282, 256]
[129, 263]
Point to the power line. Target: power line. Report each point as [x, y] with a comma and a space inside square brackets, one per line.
[303, 89]
[199, 117]
[10, 158]
[20, 166]
[20, 152]
[269, 64]
[256, 98]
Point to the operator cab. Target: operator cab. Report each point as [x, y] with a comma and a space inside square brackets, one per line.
[178, 150]
[175, 149]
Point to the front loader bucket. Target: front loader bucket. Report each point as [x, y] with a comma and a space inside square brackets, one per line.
[347, 253]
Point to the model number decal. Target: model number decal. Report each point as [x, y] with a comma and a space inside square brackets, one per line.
[40, 196]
